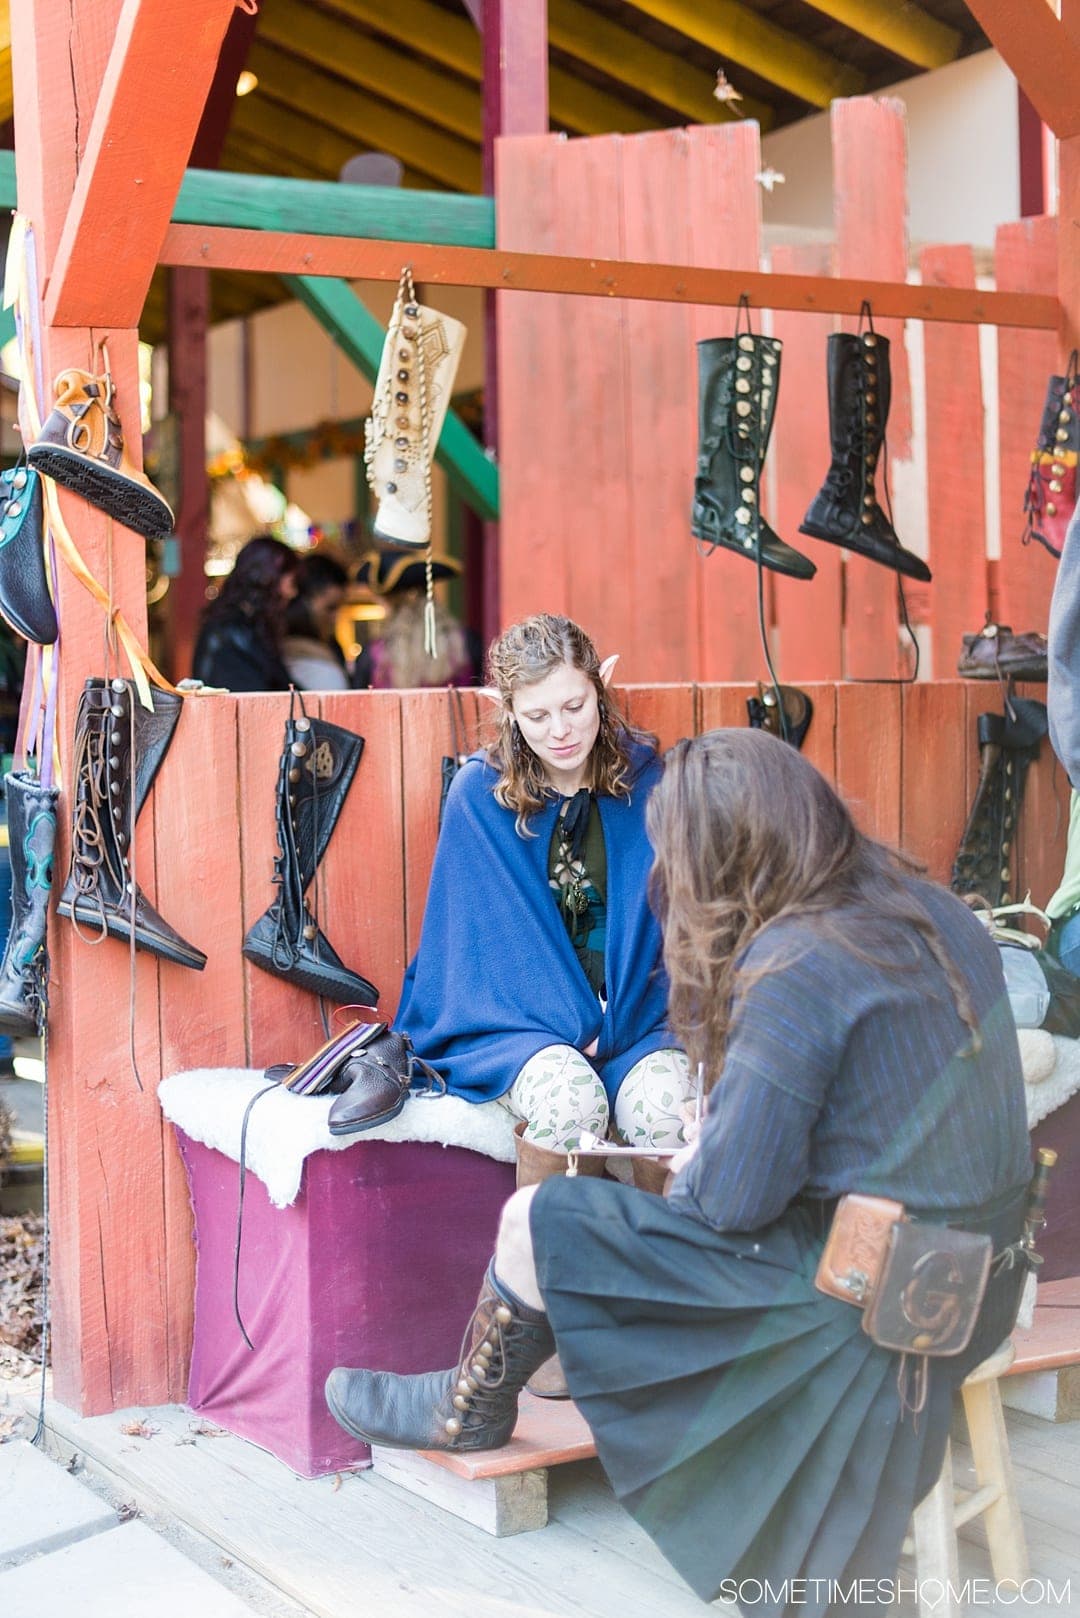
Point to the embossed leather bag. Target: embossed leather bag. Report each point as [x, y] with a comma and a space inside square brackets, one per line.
[920, 1285]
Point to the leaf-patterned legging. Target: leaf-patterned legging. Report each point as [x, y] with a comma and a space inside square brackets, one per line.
[559, 1093]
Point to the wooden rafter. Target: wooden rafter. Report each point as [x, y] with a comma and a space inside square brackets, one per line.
[361, 118]
[906, 30]
[592, 38]
[145, 118]
[250, 156]
[1042, 52]
[7, 99]
[279, 129]
[349, 259]
[586, 35]
[737, 35]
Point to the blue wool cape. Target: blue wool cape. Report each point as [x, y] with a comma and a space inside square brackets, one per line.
[496, 979]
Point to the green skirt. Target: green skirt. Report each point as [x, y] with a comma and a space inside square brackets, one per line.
[745, 1420]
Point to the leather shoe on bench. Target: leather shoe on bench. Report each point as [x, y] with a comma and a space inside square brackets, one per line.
[379, 1079]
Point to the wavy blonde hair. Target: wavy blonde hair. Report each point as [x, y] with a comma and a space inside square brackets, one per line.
[747, 832]
[522, 655]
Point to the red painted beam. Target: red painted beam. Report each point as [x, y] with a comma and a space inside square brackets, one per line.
[160, 70]
[278, 253]
[1042, 52]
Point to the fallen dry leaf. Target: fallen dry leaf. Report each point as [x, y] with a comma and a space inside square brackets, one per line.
[206, 1429]
[336, 1484]
[139, 1429]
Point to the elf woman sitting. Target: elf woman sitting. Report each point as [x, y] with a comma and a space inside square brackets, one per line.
[538, 981]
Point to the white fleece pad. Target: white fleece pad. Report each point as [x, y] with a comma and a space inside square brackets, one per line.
[208, 1105]
[1049, 1090]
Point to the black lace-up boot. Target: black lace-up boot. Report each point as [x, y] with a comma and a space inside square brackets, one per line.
[846, 511]
[119, 748]
[737, 382]
[31, 818]
[317, 766]
[1008, 745]
[472, 1406]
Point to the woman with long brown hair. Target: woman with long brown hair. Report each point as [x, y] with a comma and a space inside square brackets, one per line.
[854, 1022]
[538, 981]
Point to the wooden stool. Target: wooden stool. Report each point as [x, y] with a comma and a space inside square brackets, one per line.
[945, 1508]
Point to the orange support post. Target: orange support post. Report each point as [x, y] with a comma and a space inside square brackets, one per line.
[121, 1283]
[146, 114]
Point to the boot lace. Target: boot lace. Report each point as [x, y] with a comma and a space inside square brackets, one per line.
[89, 850]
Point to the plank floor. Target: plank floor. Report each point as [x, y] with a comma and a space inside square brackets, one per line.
[348, 1546]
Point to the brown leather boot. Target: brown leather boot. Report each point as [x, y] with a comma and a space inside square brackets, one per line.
[82, 448]
[534, 1164]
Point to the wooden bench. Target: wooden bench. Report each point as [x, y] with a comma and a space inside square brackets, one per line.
[1044, 1379]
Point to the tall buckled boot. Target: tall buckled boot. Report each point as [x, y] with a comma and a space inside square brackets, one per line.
[1008, 744]
[119, 748]
[31, 818]
[317, 766]
[470, 1407]
[81, 446]
[1050, 499]
[24, 586]
[845, 511]
[412, 395]
[737, 382]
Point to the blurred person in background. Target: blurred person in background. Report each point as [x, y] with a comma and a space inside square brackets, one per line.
[243, 629]
[312, 653]
[397, 658]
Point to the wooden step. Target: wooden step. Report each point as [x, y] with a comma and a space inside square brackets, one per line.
[503, 1491]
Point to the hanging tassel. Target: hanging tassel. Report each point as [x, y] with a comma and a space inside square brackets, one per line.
[431, 638]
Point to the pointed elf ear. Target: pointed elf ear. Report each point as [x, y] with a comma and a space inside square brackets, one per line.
[607, 668]
[489, 691]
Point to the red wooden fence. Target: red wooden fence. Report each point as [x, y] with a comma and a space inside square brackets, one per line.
[905, 758]
[598, 434]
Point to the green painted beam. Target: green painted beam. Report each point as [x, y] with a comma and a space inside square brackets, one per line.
[360, 336]
[318, 207]
[325, 208]
[7, 326]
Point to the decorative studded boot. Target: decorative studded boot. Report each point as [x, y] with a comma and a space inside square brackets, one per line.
[846, 511]
[31, 818]
[82, 447]
[737, 382]
[412, 395]
[1008, 744]
[471, 1407]
[318, 763]
[119, 748]
[1050, 499]
[24, 586]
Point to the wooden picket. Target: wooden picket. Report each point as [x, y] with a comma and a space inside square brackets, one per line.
[1025, 255]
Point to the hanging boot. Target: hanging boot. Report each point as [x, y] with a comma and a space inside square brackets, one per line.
[31, 818]
[317, 767]
[846, 511]
[24, 586]
[737, 382]
[471, 1407]
[412, 395]
[82, 447]
[764, 713]
[119, 748]
[1008, 744]
[1050, 498]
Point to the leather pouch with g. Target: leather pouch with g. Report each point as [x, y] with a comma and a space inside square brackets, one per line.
[920, 1285]
[930, 1289]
